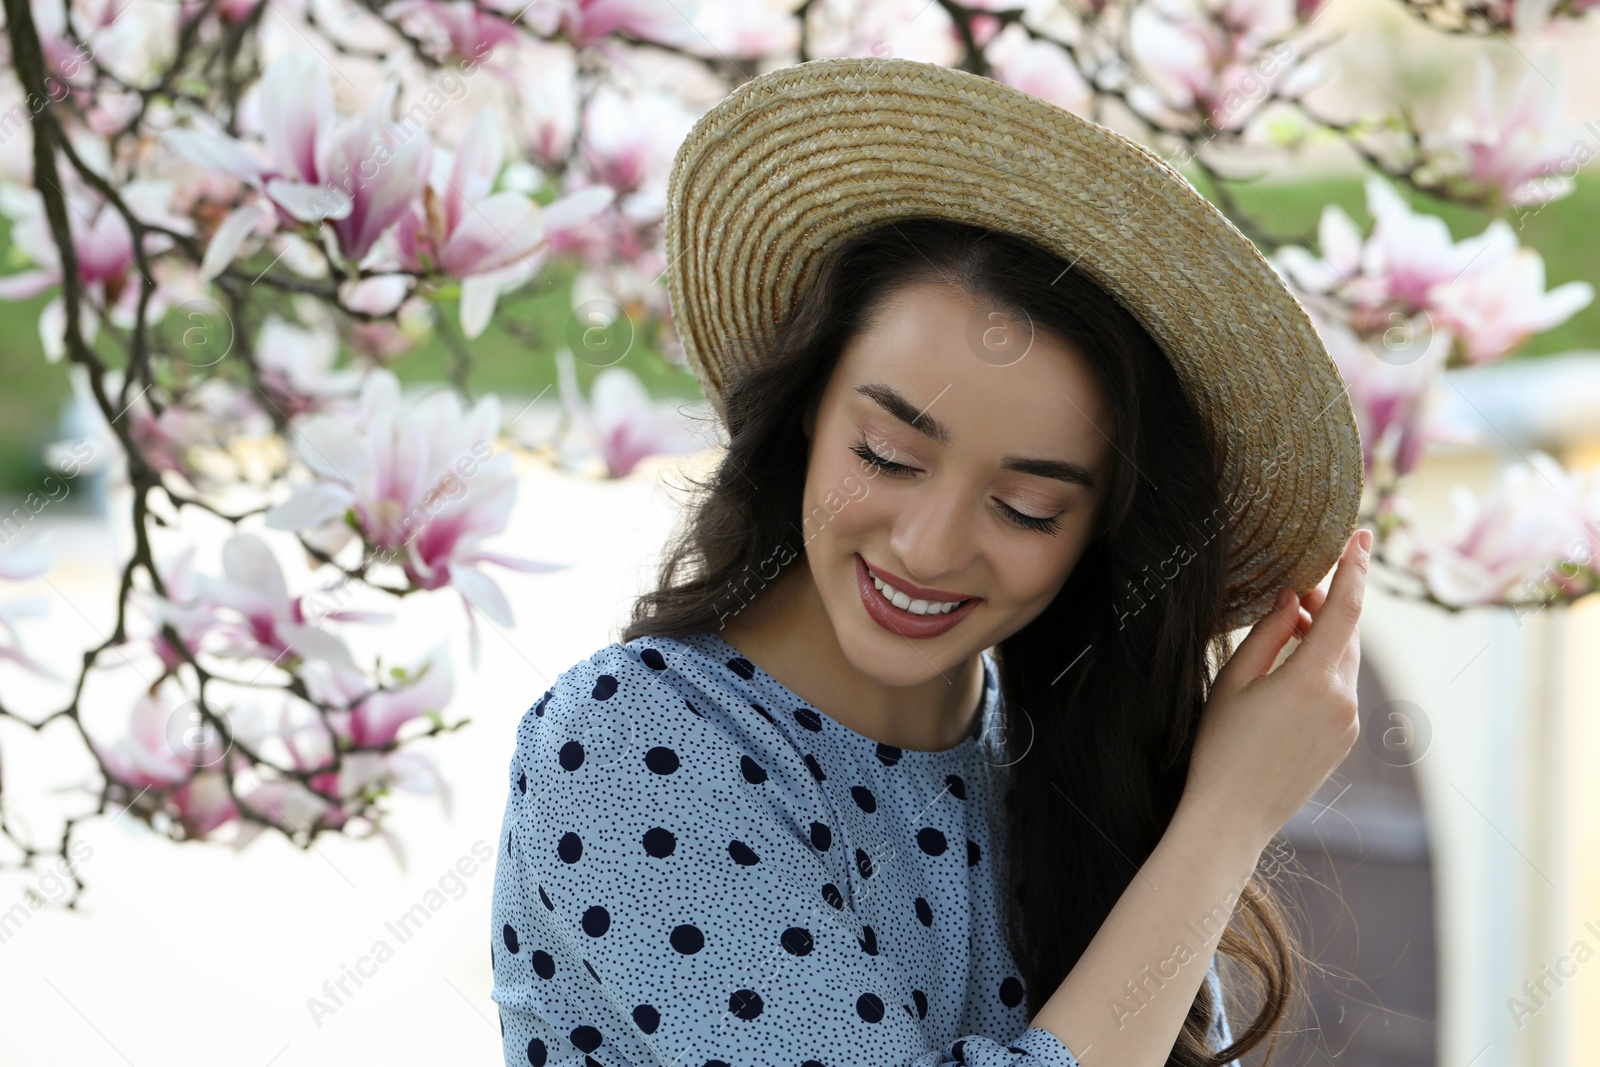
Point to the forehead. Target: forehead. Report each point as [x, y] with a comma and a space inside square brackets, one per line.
[994, 379]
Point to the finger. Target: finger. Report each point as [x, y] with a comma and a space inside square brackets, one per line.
[1335, 623]
[1303, 624]
[1259, 649]
[1312, 601]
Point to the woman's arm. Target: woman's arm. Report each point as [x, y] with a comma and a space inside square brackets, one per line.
[1125, 1000]
[1267, 739]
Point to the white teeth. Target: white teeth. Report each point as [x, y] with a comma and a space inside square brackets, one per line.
[916, 607]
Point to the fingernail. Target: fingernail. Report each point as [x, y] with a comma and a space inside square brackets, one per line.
[1364, 539]
[1284, 596]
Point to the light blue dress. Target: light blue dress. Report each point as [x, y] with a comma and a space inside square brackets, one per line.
[697, 868]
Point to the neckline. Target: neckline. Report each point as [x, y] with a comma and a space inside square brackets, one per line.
[960, 750]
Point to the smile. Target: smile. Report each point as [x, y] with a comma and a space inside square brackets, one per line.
[896, 609]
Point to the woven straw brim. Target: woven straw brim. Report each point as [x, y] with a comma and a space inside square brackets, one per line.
[797, 159]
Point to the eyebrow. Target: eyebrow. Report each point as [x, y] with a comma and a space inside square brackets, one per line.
[891, 401]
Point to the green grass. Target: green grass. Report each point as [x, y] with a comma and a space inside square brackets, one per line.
[515, 356]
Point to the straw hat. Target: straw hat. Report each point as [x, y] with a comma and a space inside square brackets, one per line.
[797, 159]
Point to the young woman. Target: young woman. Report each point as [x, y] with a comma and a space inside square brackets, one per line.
[916, 755]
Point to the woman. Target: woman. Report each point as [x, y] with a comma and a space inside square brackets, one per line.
[919, 752]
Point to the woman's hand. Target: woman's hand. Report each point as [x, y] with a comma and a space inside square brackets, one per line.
[1268, 739]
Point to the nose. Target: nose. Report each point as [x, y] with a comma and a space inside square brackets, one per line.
[934, 536]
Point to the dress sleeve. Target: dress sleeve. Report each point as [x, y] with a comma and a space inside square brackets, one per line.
[653, 906]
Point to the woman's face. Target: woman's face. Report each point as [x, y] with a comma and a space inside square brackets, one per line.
[1004, 436]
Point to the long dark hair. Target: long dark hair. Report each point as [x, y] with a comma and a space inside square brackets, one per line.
[1103, 689]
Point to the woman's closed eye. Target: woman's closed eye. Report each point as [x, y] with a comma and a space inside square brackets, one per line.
[900, 470]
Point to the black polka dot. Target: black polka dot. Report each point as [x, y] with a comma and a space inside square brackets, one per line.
[659, 843]
[958, 1051]
[735, 785]
[796, 941]
[931, 841]
[753, 772]
[745, 1004]
[688, 939]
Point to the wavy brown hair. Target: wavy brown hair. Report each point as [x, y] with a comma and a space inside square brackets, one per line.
[1107, 747]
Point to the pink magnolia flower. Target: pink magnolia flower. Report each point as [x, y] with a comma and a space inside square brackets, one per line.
[1217, 58]
[1499, 299]
[466, 30]
[1391, 379]
[1536, 531]
[423, 488]
[296, 366]
[1522, 155]
[103, 244]
[255, 617]
[172, 754]
[491, 241]
[359, 174]
[620, 418]
[586, 22]
[1485, 290]
[1039, 68]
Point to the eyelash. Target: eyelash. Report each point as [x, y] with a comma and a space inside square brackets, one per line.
[1028, 522]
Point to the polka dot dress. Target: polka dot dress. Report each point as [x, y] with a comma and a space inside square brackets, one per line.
[698, 869]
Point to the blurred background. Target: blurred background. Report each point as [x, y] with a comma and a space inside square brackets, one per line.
[343, 410]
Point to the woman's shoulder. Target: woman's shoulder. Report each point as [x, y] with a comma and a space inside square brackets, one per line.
[652, 688]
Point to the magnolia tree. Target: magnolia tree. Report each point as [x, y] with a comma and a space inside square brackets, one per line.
[244, 213]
